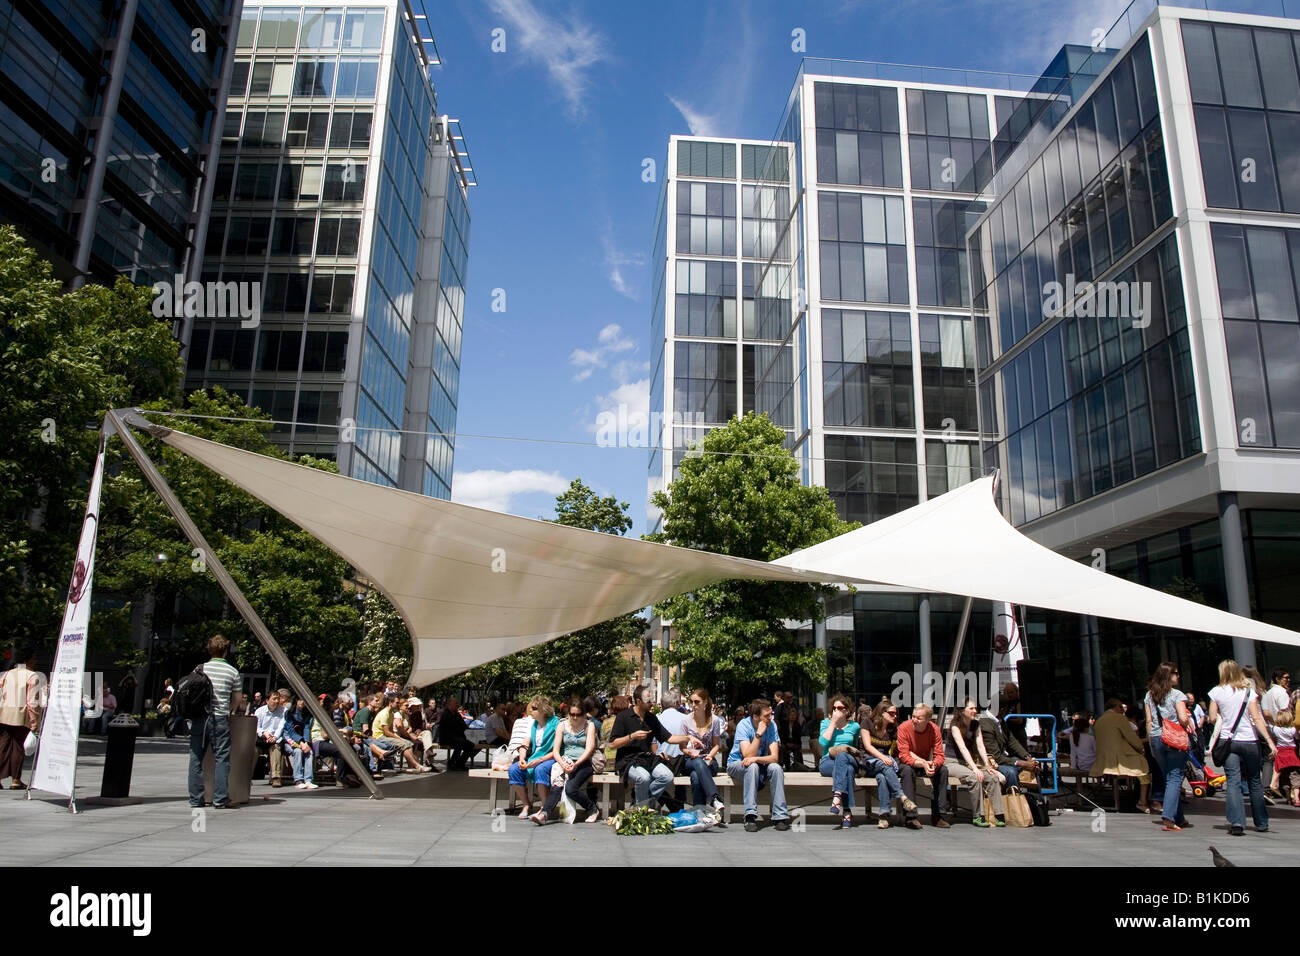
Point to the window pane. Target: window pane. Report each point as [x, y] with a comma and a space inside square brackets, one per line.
[1252, 154]
[1202, 63]
[1271, 269]
[1247, 370]
[1237, 61]
[1217, 165]
[1284, 130]
[1277, 67]
[1281, 344]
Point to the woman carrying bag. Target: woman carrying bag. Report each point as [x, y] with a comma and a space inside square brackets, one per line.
[1168, 724]
[575, 742]
[1239, 738]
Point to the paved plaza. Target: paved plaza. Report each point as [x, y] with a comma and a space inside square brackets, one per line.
[444, 819]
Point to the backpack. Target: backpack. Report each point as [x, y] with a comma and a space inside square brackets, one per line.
[192, 699]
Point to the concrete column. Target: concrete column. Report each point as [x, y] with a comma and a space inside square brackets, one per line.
[1094, 643]
[1234, 572]
[1085, 656]
[103, 141]
[927, 649]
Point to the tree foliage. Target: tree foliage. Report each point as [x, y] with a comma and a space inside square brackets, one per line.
[64, 361]
[741, 496]
[585, 662]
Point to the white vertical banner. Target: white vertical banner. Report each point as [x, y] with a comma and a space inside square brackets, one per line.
[56, 757]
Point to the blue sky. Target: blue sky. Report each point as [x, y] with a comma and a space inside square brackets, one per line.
[557, 128]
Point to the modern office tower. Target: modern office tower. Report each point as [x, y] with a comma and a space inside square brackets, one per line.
[1151, 425]
[1102, 261]
[343, 192]
[820, 278]
[108, 112]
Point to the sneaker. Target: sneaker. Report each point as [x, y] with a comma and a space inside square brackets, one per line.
[718, 805]
[1261, 829]
[909, 806]
[1274, 793]
[913, 823]
[980, 822]
[276, 783]
[1235, 830]
[225, 806]
[751, 824]
[300, 785]
[308, 785]
[998, 822]
[782, 825]
[942, 824]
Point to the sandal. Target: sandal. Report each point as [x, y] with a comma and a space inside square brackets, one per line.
[837, 805]
[526, 812]
[1144, 808]
[883, 824]
[18, 786]
[539, 817]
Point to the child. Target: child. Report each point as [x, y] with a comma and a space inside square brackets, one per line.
[1287, 765]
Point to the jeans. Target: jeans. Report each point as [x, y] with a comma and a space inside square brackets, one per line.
[649, 785]
[1242, 768]
[1172, 763]
[212, 731]
[1010, 773]
[753, 778]
[541, 774]
[888, 786]
[703, 790]
[575, 785]
[302, 764]
[907, 775]
[841, 769]
[326, 748]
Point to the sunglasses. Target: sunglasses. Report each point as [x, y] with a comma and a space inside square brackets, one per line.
[839, 707]
[892, 713]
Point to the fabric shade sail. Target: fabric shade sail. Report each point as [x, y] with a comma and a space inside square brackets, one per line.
[475, 585]
[959, 543]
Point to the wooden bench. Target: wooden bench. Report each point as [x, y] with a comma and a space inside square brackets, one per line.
[608, 781]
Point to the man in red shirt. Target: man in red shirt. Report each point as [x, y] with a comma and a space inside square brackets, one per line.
[920, 751]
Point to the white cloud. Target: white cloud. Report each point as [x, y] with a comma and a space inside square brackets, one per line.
[616, 262]
[567, 51]
[698, 122]
[495, 490]
[633, 397]
[610, 341]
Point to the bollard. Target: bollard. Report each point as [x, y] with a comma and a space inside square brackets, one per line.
[119, 757]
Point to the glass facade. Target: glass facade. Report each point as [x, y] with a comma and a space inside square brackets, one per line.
[330, 201]
[54, 103]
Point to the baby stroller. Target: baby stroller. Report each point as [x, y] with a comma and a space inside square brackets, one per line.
[1201, 781]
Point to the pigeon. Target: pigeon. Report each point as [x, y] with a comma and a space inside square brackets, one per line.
[1220, 859]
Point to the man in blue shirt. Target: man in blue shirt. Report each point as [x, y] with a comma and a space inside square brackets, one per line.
[754, 762]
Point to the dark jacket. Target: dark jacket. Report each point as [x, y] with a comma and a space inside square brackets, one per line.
[451, 728]
[1002, 748]
[297, 726]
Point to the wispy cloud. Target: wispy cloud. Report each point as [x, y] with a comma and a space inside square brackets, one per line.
[566, 49]
[698, 122]
[496, 490]
[616, 262]
[609, 342]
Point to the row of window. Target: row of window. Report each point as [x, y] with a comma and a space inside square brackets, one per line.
[307, 129]
[310, 77]
[221, 349]
[323, 28]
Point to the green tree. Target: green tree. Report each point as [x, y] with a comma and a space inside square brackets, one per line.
[585, 662]
[65, 359]
[294, 582]
[385, 652]
[741, 496]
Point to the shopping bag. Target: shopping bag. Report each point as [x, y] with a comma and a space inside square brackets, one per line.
[1018, 814]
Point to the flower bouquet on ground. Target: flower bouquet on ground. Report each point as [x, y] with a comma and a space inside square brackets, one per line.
[641, 821]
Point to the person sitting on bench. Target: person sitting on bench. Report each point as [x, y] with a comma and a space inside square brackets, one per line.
[270, 734]
[920, 751]
[1007, 755]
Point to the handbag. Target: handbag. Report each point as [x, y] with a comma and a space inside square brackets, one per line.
[1038, 809]
[1172, 734]
[1222, 746]
[598, 760]
[1018, 812]
[30, 743]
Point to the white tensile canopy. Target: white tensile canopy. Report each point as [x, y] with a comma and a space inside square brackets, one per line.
[475, 585]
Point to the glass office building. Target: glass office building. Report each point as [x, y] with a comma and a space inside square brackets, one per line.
[344, 193]
[107, 119]
[1085, 280]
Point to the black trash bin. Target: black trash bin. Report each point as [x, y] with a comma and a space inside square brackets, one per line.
[119, 756]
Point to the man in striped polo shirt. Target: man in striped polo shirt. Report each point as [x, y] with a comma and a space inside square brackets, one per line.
[214, 729]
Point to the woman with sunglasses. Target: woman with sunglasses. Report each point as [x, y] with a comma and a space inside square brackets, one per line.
[880, 741]
[703, 729]
[1166, 703]
[575, 741]
[839, 733]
